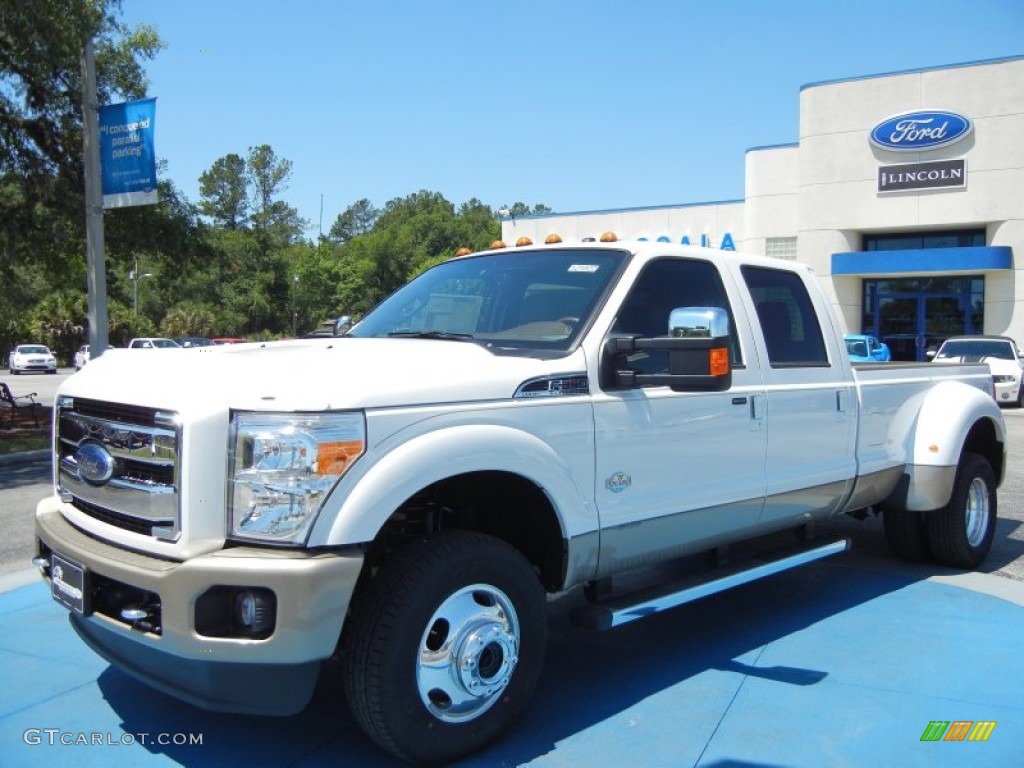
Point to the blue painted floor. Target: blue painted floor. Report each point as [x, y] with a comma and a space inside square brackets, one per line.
[829, 665]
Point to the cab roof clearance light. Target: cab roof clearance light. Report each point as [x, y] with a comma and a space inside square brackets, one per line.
[609, 237]
[523, 241]
[497, 244]
[552, 239]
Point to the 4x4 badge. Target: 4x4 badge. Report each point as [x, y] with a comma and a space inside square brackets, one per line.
[618, 482]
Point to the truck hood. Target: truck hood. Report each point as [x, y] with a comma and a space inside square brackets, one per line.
[314, 374]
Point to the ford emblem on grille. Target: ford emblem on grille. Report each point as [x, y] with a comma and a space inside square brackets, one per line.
[95, 464]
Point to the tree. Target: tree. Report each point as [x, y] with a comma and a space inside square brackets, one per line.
[189, 319]
[522, 209]
[277, 223]
[41, 169]
[223, 189]
[357, 219]
[411, 234]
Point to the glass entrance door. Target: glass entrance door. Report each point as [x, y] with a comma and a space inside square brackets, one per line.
[899, 320]
[914, 316]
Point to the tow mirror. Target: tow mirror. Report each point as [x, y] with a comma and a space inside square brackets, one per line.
[342, 324]
[698, 347]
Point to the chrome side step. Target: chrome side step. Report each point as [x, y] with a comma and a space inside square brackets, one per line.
[622, 610]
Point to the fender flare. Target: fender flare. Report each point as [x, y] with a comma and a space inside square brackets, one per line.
[365, 500]
[949, 412]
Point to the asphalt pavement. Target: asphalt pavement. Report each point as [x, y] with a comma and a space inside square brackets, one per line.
[856, 660]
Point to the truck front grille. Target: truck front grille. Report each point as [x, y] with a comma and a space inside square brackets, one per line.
[120, 464]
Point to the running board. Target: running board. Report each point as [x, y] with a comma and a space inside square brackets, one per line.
[622, 610]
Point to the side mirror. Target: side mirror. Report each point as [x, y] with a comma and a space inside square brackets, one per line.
[698, 347]
[342, 324]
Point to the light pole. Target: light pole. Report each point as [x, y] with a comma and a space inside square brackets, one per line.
[295, 314]
[134, 276]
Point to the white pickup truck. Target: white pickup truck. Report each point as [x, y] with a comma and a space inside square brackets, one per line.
[507, 426]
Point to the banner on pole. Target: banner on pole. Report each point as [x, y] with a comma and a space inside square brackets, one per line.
[127, 157]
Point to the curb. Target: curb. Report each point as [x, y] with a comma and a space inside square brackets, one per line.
[25, 457]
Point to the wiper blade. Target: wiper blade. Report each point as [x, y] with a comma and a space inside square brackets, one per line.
[444, 335]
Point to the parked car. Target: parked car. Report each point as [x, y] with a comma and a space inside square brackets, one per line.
[31, 357]
[153, 343]
[864, 348]
[193, 341]
[81, 357]
[1003, 358]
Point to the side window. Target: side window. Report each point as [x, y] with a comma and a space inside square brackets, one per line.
[664, 285]
[787, 317]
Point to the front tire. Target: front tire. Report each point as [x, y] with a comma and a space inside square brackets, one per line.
[960, 534]
[443, 648]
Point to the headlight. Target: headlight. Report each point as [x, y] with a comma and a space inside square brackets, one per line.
[282, 467]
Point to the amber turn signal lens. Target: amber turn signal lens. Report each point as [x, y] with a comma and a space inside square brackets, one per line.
[718, 362]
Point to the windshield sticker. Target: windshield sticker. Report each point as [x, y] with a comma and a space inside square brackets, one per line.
[583, 267]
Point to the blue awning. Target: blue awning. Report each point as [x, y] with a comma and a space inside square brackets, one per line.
[983, 258]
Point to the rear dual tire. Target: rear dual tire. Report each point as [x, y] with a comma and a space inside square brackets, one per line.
[960, 534]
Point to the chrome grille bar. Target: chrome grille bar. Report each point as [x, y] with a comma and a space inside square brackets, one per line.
[138, 488]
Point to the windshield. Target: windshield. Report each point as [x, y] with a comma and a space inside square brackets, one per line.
[33, 351]
[526, 300]
[975, 349]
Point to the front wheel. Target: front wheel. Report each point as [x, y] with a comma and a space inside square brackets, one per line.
[960, 534]
[443, 648]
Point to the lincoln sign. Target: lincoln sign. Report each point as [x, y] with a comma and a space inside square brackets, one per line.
[912, 176]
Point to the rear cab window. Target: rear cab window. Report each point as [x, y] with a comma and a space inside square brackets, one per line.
[788, 320]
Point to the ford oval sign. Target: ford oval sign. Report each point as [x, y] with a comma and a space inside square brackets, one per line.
[916, 131]
[95, 464]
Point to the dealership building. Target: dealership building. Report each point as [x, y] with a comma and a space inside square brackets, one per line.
[905, 193]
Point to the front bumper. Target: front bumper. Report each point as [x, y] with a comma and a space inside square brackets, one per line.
[275, 675]
[38, 367]
[1007, 392]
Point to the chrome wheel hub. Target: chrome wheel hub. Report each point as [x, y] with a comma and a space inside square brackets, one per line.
[467, 653]
[976, 512]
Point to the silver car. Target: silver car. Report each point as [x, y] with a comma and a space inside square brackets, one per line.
[31, 357]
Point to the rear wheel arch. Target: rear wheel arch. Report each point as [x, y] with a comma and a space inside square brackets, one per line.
[983, 440]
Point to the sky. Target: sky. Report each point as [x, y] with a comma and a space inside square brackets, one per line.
[580, 106]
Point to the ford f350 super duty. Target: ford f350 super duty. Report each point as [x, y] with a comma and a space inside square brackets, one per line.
[509, 425]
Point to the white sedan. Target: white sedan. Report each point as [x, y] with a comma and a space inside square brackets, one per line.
[31, 357]
[1003, 358]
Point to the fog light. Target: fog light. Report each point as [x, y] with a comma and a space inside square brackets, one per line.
[254, 610]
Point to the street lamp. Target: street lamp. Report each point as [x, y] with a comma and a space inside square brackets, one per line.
[295, 314]
[134, 276]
